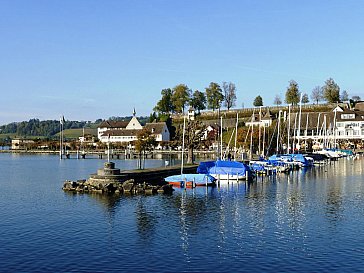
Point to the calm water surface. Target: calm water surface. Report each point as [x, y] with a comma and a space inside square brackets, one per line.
[308, 221]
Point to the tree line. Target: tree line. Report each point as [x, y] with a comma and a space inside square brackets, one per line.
[329, 92]
[35, 127]
[175, 100]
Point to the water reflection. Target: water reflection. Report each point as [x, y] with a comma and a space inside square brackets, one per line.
[282, 208]
[146, 220]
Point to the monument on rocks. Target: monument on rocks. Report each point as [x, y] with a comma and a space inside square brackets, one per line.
[110, 180]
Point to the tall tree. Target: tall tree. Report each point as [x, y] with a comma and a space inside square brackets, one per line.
[198, 101]
[277, 100]
[180, 97]
[229, 94]
[145, 141]
[292, 93]
[165, 104]
[317, 94]
[305, 99]
[214, 96]
[331, 91]
[194, 132]
[344, 96]
[258, 101]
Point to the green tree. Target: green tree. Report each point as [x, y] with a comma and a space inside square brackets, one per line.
[258, 101]
[344, 96]
[229, 94]
[331, 91]
[317, 94]
[277, 100]
[181, 95]
[292, 93]
[214, 96]
[145, 142]
[198, 101]
[165, 104]
[305, 99]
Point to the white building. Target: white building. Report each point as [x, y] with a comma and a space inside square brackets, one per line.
[261, 119]
[127, 131]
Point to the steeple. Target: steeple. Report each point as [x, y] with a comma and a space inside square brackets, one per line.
[134, 112]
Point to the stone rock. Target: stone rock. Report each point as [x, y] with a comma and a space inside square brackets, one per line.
[167, 189]
[128, 186]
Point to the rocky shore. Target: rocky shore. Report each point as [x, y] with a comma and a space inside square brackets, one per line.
[127, 187]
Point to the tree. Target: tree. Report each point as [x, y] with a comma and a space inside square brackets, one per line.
[180, 96]
[292, 93]
[331, 91]
[277, 100]
[194, 132]
[355, 98]
[198, 101]
[344, 96]
[258, 101]
[305, 99]
[229, 94]
[214, 96]
[165, 104]
[317, 94]
[145, 141]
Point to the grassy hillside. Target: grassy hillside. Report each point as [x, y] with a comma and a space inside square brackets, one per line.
[75, 133]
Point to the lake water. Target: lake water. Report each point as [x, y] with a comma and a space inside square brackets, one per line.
[308, 221]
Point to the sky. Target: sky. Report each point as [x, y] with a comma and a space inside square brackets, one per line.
[88, 59]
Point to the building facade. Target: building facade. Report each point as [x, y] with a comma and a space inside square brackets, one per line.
[126, 132]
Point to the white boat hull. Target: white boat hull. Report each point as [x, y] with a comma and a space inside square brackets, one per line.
[228, 177]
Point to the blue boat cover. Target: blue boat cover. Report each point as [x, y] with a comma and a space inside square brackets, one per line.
[224, 167]
[289, 158]
[204, 166]
[198, 178]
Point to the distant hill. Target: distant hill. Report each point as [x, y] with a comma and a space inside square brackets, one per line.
[75, 133]
[51, 128]
[35, 127]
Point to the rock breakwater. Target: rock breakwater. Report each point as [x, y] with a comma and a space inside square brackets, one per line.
[109, 180]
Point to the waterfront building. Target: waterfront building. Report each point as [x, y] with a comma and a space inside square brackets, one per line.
[127, 131]
[21, 143]
[263, 119]
[327, 129]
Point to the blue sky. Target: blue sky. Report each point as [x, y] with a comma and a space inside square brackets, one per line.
[88, 59]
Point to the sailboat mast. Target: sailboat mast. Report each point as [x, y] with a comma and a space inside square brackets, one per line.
[221, 138]
[251, 136]
[260, 121]
[279, 125]
[335, 129]
[183, 142]
[236, 134]
[289, 127]
[60, 138]
[263, 149]
[317, 128]
[306, 132]
[299, 125]
[294, 134]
